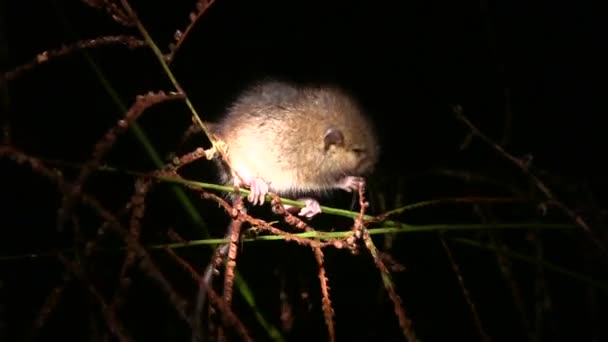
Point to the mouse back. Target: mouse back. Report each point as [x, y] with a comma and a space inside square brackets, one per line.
[298, 138]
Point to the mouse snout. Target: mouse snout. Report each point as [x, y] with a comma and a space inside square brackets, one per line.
[365, 164]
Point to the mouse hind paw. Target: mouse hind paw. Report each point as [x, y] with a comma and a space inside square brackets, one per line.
[311, 209]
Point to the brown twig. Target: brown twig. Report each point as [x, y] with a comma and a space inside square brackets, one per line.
[235, 233]
[45, 56]
[328, 311]
[180, 36]
[360, 232]
[198, 153]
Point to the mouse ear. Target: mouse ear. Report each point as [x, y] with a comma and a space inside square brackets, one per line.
[333, 136]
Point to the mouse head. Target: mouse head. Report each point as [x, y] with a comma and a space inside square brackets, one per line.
[350, 154]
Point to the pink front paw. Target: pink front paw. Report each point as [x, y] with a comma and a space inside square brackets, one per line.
[258, 191]
[351, 183]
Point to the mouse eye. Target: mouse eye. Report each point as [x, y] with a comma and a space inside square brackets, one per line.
[359, 151]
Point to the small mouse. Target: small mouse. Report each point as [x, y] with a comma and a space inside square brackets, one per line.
[296, 140]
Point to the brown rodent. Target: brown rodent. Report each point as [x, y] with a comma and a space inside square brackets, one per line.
[292, 140]
[296, 140]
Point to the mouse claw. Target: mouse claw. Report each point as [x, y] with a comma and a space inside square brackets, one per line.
[311, 209]
[351, 183]
[258, 190]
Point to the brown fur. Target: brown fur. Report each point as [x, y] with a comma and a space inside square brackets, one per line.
[275, 131]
